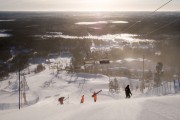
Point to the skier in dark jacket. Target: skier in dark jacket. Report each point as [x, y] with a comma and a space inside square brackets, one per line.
[128, 92]
[61, 99]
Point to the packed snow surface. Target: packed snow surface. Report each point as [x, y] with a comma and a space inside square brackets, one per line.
[49, 86]
[162, 108]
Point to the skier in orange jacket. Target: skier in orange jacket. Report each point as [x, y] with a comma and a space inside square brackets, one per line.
[82, 99]
[94, 96]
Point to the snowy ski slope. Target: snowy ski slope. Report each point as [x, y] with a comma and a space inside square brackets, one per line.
[48, 86]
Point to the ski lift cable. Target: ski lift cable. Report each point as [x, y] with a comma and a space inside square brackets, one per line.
[161, 27]
[150, 13]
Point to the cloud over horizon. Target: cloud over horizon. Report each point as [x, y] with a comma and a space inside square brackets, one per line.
[87, 5]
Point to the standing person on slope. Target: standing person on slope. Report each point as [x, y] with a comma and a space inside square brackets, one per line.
[61, 99]
[82, 99]
[95, 95]
[128, 92]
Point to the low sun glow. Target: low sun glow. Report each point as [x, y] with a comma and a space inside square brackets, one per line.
[98, 1]
[97, 5]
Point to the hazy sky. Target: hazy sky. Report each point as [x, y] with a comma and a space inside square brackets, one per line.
[87, 5]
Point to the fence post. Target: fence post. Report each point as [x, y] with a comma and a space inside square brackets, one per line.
[170, 87]
[162, 90]
[165, 89]
[174, 86]
[156, 91]
[179, 84]
[168, 90]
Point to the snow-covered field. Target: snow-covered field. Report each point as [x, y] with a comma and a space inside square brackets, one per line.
[48, 86]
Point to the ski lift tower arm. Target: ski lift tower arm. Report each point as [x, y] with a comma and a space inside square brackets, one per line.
[104, 61]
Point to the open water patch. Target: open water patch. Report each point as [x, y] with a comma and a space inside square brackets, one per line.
[5, 35]
[8, 20]
[102, 22]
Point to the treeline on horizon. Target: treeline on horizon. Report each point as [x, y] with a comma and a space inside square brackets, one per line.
[27, 25]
